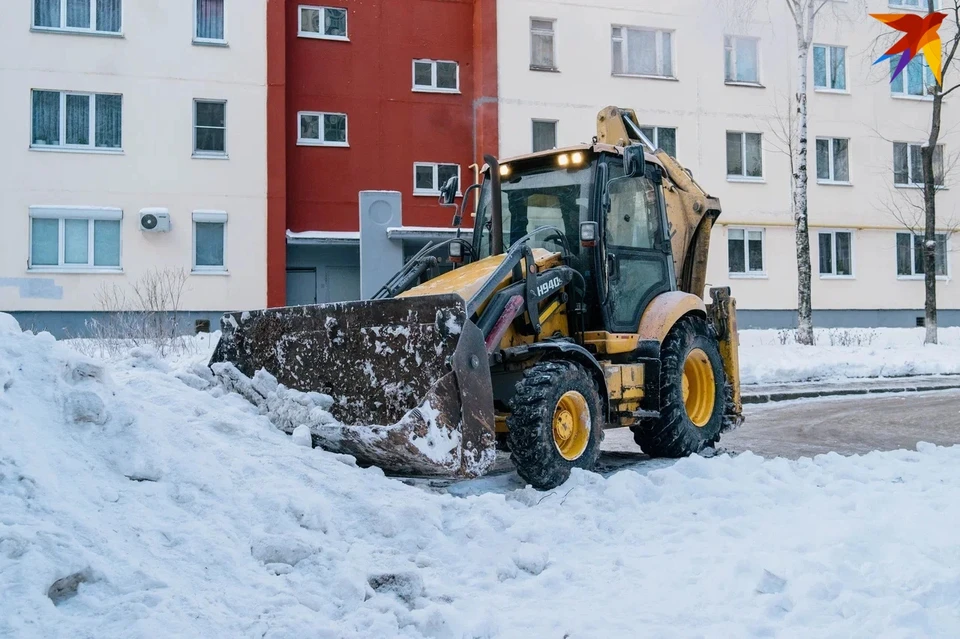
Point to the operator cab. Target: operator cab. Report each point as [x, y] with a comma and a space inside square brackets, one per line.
[600, 206]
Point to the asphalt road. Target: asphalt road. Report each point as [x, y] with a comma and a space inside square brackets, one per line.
[846, 425]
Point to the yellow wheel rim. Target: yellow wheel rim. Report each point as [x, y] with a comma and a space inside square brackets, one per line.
[699, 387]
[571, 425]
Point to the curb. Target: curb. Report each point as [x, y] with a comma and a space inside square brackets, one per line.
[782, 396]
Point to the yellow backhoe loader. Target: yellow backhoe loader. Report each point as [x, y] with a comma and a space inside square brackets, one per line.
[575, 306]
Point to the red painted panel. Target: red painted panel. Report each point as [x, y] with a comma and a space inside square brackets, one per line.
[389, 126]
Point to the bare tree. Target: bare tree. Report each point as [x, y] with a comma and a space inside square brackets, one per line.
[927, 153]
[804, 14]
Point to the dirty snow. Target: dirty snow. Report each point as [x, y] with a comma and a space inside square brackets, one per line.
[170, 507]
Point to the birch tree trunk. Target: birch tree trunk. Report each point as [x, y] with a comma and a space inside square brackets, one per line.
[930, 212]
[802, 14]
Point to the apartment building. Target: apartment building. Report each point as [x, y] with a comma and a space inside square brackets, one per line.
[132, 141]
[711, 83]
[370, 95]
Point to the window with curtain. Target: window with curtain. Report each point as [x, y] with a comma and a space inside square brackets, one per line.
[836, 253]
[915, 80]
[428, 177]
[90, 120]
[100, 16]
[908, 164]
[65, 238]
[544, 135]
[542, 43]
[209, 246]
[323, 22]
[745, 251]
[642, 52]
[436, 75]
[209, 20]
[741, 57]
[210, 128]
[322, 129]
[662, 137]
[829, 68]
[910, 254]
[744, 155]
[832, 161]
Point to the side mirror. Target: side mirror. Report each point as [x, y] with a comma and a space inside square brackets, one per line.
[448, 192]
[588, 234]
[633, 160]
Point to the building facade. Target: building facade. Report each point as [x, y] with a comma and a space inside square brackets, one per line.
[711, 83]
[370, 95]
[132, 143]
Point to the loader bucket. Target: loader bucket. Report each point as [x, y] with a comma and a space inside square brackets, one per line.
[409, 377]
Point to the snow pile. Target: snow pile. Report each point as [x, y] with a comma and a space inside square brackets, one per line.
[846, 353]
[137, 500]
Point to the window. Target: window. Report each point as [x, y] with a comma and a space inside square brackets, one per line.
[741, 59]
[80, 238]
[832, 162]
[436, 76]
[542, 51]
[744, 156]
[913, 4]
[210, 128]
[916, 79]
[322, 129]
[642, 52]
[428, 177]
[323, 22]
[910, 255]
[544, 135]
[209, 21]
[76, 120]
[209, 233]
[908, 165]
[836, 253]
[95, 16]
[745, 251]
[662, 137]
[829, 68]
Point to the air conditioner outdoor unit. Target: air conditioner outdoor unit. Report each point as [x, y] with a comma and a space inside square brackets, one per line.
[154, 220]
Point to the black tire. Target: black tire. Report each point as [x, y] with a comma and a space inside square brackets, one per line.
[533, 449]
[675, 434]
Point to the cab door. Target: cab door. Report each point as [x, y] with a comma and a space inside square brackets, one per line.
[636, 261]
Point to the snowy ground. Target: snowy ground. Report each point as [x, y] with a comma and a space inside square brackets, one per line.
[162, 507]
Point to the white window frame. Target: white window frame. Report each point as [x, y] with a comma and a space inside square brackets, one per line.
[658, 40]
[828, 59]
[302, 141]
[216, 155]
[741, 83]
[910, 184]
[217, 42]
[913, 257]
[209, 217]
[322, 36]
[556, 131]
[831, 179]
[63, 28]
[743, 159]
[921, 5]
[432, 88]
[61, 213]
[436, 178]
[656, 132]
[904, 75]
[92, 132]
[833, 247]
[553, 33]
[748, 274]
